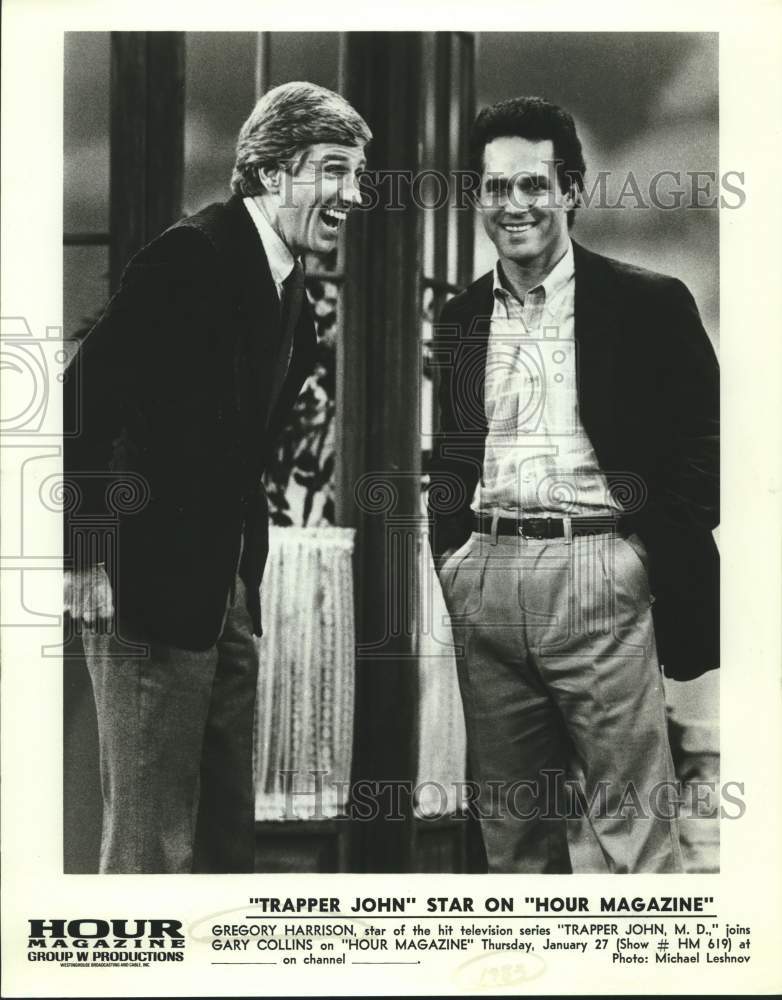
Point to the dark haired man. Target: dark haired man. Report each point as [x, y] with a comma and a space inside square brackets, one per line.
[574, 483]
[185, 382]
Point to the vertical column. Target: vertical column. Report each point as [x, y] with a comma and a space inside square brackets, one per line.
[443, 83]
[378, 411]
[147, 159]
[263, 63]
[465, 222]
[147, 139]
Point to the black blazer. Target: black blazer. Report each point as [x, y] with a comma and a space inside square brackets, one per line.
[171, 392]
[648, 391]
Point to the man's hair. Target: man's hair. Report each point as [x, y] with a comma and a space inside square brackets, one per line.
[284, 122]
[536, 119]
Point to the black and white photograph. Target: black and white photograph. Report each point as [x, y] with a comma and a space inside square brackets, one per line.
[299, 358]
[382, 458]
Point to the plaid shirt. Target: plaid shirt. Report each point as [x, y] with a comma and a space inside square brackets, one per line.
[538, 456]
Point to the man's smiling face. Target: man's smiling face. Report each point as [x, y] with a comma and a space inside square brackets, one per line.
[524, 211]
[316, 196]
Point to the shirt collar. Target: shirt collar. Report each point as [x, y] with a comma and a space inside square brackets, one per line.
[280, 258]
[559, 275]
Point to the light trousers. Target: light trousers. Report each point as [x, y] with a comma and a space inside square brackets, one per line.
[175, 732]
[563, 701]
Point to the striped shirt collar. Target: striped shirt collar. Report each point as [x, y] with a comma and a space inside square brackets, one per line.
[557, 278]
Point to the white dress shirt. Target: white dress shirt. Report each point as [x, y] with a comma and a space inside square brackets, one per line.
[280, 258]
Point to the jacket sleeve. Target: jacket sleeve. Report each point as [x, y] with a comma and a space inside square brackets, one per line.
[686, 490]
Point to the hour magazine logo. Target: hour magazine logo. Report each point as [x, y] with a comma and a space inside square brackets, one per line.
[117, 941]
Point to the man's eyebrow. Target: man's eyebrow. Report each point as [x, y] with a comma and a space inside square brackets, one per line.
[526, 175]
[342, 158]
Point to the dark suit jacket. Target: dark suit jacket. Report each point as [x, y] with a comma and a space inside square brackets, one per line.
[172, 389]
[648, 391]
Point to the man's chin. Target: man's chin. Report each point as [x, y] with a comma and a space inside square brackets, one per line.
[524, 247]
[323, 245]
[522, 255]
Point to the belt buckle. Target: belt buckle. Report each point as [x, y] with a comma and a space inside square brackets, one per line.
[534, 527]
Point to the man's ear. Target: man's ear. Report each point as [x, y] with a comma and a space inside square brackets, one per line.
[571, 198]
[271, 178]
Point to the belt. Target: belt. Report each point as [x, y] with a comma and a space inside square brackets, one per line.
[546, 527]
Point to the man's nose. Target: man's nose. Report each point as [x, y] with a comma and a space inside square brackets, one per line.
[521, 196]
[351, 191]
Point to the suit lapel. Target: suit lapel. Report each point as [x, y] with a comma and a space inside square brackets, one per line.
[302, 362]
[596, 331]
[262, 334]
[258, 307]
[470, 362]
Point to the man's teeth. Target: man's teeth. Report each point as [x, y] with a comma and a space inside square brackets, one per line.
[335, 215]
[518, 227]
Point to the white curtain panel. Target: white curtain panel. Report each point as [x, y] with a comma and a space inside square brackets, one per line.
[304, 718]
[441, 734]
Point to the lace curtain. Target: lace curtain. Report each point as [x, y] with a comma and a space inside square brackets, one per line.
[441, 734]
[304, 716]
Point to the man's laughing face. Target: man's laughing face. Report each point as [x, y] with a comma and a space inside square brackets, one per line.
[316, 196]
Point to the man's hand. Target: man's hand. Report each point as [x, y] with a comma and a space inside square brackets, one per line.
[87, 594]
